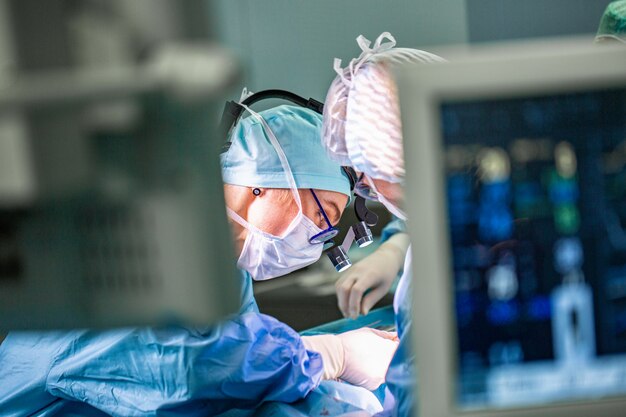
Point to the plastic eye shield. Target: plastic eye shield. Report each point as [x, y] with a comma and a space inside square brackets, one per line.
[364, 190]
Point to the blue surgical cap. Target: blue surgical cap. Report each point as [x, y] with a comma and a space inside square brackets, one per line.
[252, 161]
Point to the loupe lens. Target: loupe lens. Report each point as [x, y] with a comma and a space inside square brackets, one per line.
[362, 234]
[339, 258]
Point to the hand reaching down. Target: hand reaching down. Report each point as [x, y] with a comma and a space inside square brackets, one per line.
[360, 357]
[367, 281]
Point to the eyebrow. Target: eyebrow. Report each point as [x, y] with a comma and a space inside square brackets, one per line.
[333, 215]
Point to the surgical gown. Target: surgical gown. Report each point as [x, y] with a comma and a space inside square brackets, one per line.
[401, 375]
[242, 362]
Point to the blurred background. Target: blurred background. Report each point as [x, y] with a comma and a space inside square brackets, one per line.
[277, 39]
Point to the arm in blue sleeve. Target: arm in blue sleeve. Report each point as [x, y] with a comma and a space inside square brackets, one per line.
[393, 227]
[239, 364]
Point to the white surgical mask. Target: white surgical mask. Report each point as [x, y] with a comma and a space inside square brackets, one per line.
[266, 256]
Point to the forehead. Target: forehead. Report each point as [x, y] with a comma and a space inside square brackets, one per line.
[332, 197]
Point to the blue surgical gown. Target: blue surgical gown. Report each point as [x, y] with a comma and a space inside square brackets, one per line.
[242, 362]
[401, 375]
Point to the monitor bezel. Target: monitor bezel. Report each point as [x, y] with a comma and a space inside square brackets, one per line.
[490, 72]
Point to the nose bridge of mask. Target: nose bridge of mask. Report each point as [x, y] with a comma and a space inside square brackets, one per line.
[281, 156]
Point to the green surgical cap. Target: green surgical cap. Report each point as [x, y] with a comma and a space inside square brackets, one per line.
[252, 161]
[613, 23]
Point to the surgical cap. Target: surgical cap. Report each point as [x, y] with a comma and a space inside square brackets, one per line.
[252, 161]
[362, 126]
[613, 22]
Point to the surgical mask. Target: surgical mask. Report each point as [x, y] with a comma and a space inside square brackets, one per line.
[370, 192]
[266, 256]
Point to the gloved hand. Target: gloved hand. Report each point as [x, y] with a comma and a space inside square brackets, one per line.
[360, 357]
[375, 273]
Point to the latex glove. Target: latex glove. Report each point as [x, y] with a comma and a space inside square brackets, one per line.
[360, 357]
[367, 281]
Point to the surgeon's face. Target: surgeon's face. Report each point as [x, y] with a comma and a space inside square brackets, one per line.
[274, 209]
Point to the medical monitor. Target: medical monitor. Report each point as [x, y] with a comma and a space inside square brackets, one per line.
[516, 195]
[111, 199]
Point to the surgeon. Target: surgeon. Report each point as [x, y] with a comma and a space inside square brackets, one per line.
[280, 188]
[362, 129]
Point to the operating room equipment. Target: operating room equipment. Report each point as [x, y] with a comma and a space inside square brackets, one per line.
[515, 175]
[338, 255]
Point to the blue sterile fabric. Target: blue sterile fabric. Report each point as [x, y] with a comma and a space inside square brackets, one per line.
[401, 376]
[393, 227]
[240, 363]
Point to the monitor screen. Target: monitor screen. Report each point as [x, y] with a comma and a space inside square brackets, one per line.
[536, 199]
